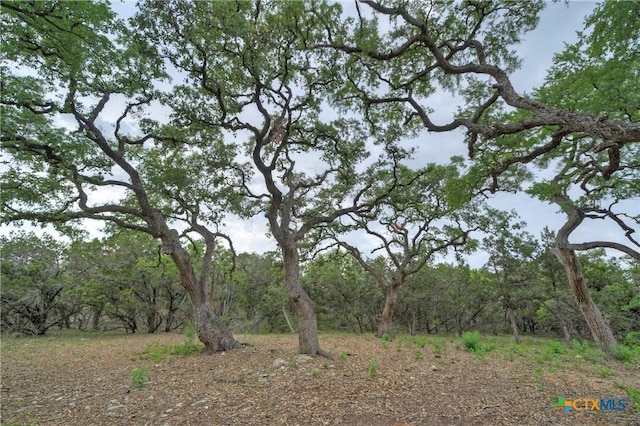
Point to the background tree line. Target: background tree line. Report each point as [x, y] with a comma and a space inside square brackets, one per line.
[124, 282]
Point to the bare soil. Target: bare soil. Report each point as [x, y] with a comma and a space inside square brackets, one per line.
[88, 381]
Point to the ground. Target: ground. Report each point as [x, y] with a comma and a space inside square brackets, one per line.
[88, 379]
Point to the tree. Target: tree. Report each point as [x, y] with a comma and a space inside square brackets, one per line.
[511, 253]
[74, 126]
[342, 290]
[125, 277]
[33, 284]
[596, 173]
[261, 301]
[463, 47]
[558, 299]
[418, 219]
[444, 297]
[249, 72]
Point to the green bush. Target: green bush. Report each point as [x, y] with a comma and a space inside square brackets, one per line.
[625, 354]
[189, 347]
[632, 339]
[580, 346]
[139, 377]
[373, 369]
[439, 346]
[634, 396]
[471, 341]
[556, 348]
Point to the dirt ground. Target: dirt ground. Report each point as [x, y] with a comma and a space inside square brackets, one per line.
[88, 381]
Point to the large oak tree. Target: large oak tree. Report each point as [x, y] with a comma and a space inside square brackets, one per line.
[76, 94]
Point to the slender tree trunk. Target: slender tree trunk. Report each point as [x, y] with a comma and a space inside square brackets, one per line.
[385, 321]
[412, 324]
[286, 317]
[511, 315]
[600, 330]
[563, 323]
[303, 305]
[565, 332]
[95, 318]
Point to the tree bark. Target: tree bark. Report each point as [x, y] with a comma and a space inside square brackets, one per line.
[385, 321]
[211, 331]
[600, 330]
[303, 305]
[511, 315]
[95, 318]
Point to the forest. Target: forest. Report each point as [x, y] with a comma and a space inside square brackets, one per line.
[315, 117]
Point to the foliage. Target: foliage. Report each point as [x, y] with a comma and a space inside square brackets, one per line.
[373, 369]
[139, 377]
[471, 341]
[189, 347]
[632, 339]
[555, 348]
[33, 284]
[634, 396]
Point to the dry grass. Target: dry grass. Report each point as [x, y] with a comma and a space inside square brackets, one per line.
[87, 380]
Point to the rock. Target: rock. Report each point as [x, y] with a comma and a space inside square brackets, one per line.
[202, 401]
[279, 363]
[114, 408]
[303, 358]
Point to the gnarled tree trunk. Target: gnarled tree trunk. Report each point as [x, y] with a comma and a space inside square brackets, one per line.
[215, 335]
[211, 331]
[302, 303]
[385, 320]
[600, 330]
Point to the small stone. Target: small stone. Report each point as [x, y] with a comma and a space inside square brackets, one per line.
[303, 358]
[434, 368]
[113, 408]
[279, 363]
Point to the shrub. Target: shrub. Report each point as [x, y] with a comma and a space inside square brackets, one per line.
[624, 354]
[580, 347]
[439, 346]
[632, 339]
[471, 341]
[556, 348]
[139, 377]
[373, 369]
[188, 347]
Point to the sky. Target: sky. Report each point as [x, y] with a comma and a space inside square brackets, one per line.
[558, 24]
